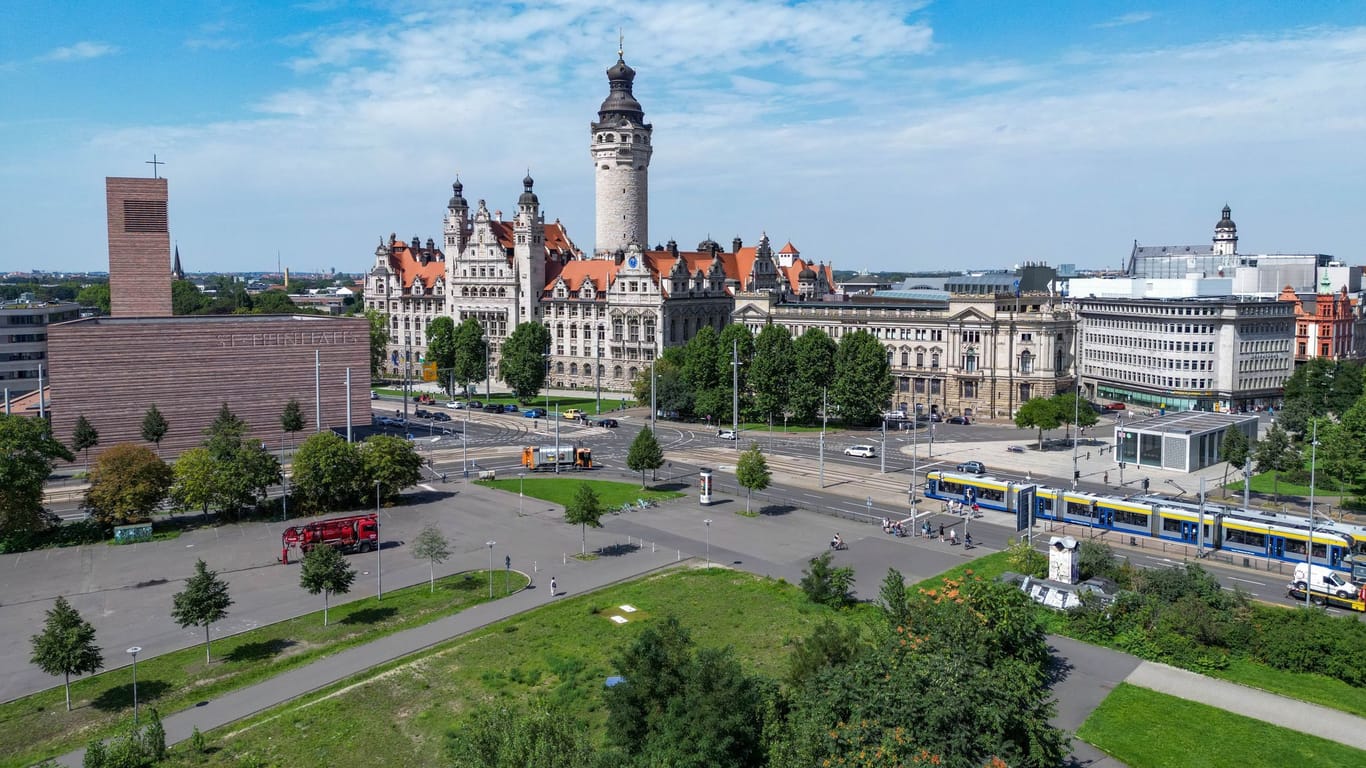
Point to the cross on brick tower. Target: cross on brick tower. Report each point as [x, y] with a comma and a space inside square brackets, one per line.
[154, 162]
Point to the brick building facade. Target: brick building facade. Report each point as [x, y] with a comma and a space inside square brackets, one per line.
[139, 247]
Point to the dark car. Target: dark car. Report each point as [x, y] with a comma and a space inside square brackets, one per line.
[509, 408]
[610, 423]
[975, 467]
[959, 420]
[421, 413]
[441, 416]
[493, 408]
[474, 404]
[534, 413]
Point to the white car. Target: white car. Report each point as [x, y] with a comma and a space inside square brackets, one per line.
[726, 434]
[861, 451]
[456, 404]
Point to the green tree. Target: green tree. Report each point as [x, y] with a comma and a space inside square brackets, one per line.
[644, 454]
[584, 510]
[863, 378]
[1276, 454]
[154, 427]
[66, 646]
[674, 393]
[186, 298]
[325, 570]
[1039, 413]
[441, 348]
[329, 474]
[392, 462]
[684, 706]
[752, 472]
[379, 341]
[893, 599]
[225, 434]
[30, 455]
[828, 645]
[826, 584]
[735, 338]
[1026, 559]
[471, 353]
[245, 476]
[522, 363]
[700, 371]
[431, 546]
[770, 372]
[531, 736]
[204, 601]
[196, 480]
[84, 437]
[1234, 449]
[1071, 407]
[812, 375]
[96, 295]
[1320, 388]
[273, 302]
[127, 484]
[292, 419]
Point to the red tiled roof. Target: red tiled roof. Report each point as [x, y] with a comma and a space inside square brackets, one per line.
[600, 271]
[556, 238]
[409, 268]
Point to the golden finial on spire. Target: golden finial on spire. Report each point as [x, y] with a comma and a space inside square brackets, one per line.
[621, 40]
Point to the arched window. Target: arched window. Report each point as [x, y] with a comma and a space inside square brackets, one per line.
[634, 371]
[559, 367]
[573, 369]
[905, 358]
[1026, 362]
[934, 360]
[616, 372]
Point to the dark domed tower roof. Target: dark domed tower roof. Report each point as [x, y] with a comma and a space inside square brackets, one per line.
[528, 197]
[806, 274]
[620, 102]
[457, 198]
[1226, 222]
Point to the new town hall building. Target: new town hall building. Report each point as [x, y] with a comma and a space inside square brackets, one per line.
[980, 351]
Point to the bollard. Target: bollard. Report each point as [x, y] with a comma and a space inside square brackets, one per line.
[652, 547]
[535, 566]
[678, 554]
[565, 556]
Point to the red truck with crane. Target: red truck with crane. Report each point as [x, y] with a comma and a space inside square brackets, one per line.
[353, 533]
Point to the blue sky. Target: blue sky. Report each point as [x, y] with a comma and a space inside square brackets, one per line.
[877, 135]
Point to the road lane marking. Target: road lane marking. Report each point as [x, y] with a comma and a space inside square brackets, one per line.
[1248, 581]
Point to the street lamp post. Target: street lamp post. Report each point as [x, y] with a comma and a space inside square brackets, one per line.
[465, 444]
[882, 452]
[821, 483]
[707, 522]
[1309, 546]
[379, 541]
[521, 483]
[284, 475]
[134, 651]
[735, 391]
[490, 544]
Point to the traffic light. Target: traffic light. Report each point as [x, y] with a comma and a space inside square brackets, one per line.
[1076, 474]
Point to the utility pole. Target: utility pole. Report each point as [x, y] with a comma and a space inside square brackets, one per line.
[882, 452]
[654, 386]
[1309, 549]
[735, 391]
[317, 391]
[822, 443]
[1247, 481]
[597, 353]
[557, 437]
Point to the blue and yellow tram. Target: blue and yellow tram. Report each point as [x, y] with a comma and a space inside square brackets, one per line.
[983, 490]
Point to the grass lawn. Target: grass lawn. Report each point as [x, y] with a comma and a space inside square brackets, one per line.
[560, 490]
[1146, 729]
[561, 652]
[1316, 689]
[988, 567]
[39, 725]
[1265, 483]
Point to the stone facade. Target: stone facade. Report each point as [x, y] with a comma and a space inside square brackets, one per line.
[974, 355]
[111, 370]
[139, 247]
[620, 148]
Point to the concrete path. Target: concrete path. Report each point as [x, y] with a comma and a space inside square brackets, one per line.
[1323, 722]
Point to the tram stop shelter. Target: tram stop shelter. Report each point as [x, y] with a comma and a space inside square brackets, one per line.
[1183, 442]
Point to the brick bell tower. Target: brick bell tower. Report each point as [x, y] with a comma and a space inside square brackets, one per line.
[620, 142]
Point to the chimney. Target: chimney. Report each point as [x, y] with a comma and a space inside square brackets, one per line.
[736, 244]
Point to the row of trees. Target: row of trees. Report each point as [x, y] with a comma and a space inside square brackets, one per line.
[954, 677]
[775, 375]
[1064, 408]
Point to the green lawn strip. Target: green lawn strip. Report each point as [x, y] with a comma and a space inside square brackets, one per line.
[1146, 729]
[1264, 483]
[1315, 689]
[561, 652]
[560, 490]
[39, 725]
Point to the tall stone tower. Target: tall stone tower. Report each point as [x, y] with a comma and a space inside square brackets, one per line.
[455, 224]
[1226, 235]
[528, 250]
[621, 166]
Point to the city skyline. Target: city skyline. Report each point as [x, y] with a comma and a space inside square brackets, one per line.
[877, 135]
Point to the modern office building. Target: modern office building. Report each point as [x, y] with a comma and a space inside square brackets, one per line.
[23, 340]
[1183, 442]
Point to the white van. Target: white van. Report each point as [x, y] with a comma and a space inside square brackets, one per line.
[1321, 578]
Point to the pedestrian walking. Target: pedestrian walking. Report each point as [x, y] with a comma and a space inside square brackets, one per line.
[553, 585]
[953, 536]
[1106, 478]
[941, 532]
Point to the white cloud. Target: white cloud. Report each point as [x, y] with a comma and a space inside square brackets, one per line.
[837, 124]
[1127, 19]
[80, 51]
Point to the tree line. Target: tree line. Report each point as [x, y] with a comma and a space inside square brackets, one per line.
[775, 375]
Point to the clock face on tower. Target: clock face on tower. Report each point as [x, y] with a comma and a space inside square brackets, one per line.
[631, 262]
